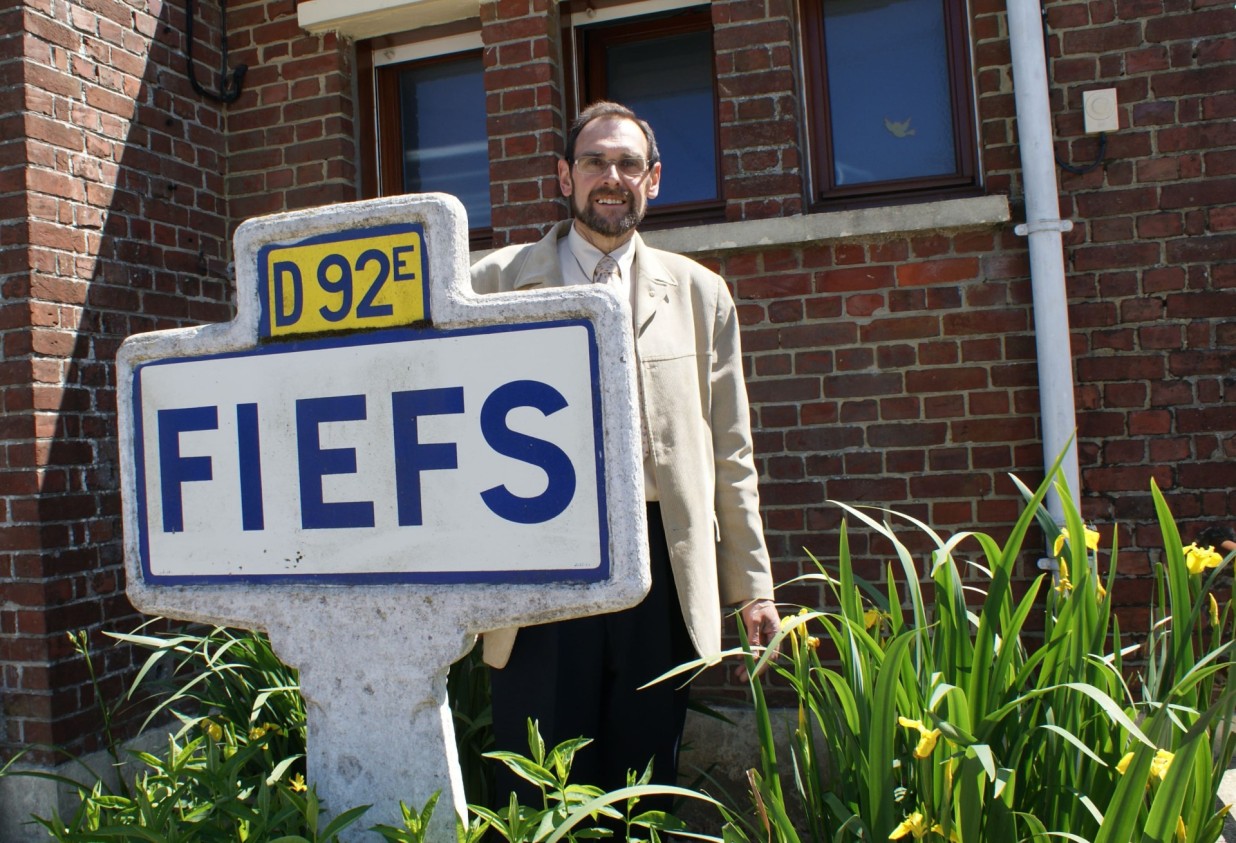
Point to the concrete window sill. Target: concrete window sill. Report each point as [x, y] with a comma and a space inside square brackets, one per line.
[947, 215]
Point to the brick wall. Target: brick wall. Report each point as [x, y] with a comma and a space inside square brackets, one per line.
[291, 136]
[758, 109]
[523, 103]
[112, 224]
[896, 370]
[1151, 262]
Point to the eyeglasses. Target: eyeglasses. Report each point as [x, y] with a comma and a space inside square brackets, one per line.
[595, 165]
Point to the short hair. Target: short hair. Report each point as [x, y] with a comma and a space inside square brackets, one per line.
[600, 109]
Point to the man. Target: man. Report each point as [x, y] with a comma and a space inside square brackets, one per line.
[580, 677]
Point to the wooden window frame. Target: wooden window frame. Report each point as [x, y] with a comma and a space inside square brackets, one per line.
[382, 138]
[826, 193]
[590, 83]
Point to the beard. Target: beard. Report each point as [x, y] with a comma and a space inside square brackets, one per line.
[591, 219]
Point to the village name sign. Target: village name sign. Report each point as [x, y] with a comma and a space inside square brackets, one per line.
[374, 464]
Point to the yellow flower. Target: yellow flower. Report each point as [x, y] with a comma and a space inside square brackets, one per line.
[1214, 610]
[1182, 833]
[213, 729]
[1159, 766]
[1100, 591]
[926, 737]
[939, 829]
[1065, 585]
[813, 643]
[1198, 559]
[872, 617]
[298, 784]
[1092, 540]
[913, 825]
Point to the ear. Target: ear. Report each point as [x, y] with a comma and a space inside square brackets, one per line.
[654, 181]
[564, 178]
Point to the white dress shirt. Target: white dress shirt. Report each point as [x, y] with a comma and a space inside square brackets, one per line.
[579, 260]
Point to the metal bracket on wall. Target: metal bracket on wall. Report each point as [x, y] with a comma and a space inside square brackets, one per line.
[1027, 228]
[230, 81]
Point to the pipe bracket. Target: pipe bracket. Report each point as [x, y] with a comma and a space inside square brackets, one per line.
[1026, 228]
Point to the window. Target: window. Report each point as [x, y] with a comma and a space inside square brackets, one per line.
[661, 66]
[889, 97]
[431, 132]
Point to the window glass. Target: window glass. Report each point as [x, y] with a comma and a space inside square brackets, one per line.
[661, 66]
[888, 90]
[444, 141]
[668, 81]
[890, 98]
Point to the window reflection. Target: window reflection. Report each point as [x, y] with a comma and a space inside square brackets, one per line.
[669, 82]
[889, 99]
[445, 147]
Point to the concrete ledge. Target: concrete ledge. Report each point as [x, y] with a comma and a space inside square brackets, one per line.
[948, 215]
[368, 18]
[716, 755]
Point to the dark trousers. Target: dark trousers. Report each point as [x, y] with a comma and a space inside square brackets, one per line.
[580, 678]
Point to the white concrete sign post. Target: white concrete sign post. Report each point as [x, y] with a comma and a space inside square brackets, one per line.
[374, 464]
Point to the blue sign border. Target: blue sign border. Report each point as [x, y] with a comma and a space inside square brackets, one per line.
[391, 335]
[264, 315]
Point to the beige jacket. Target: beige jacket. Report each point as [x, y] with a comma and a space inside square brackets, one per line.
[686, 339]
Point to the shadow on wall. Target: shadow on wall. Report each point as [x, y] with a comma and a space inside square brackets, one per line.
[127, 233]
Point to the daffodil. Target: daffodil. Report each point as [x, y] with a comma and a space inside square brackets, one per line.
[926, 737]
[913, 825]
[1198, 559]
[1091, 536]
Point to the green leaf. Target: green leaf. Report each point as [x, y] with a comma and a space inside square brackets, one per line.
[880, 740]
[617, 797]
[342, 821]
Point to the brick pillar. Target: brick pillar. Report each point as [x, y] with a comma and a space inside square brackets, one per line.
[110, 224]
[291, 140]
[523, 92]
[762, 173]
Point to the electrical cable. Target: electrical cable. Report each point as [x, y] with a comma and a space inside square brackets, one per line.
[1064, 165]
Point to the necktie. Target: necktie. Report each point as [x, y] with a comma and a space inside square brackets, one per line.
[606, 271]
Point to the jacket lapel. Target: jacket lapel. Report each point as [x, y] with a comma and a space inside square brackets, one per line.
[541, 268]
[653, 283]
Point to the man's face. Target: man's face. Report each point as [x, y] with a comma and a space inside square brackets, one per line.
[609, 205]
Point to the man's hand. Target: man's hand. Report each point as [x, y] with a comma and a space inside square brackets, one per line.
[762, 623]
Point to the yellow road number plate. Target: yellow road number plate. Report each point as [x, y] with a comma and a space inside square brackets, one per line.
[365, 278]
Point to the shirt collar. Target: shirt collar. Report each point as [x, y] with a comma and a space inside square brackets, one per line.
[588, 255]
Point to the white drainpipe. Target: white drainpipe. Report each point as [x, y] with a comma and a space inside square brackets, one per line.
[1043, 228]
